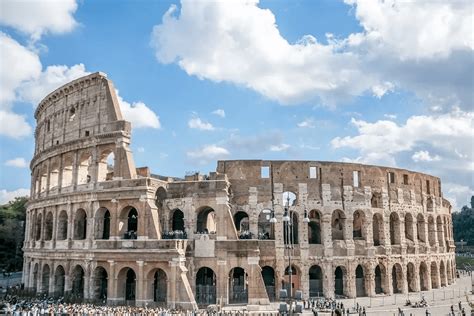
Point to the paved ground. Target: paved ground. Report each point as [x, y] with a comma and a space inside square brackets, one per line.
[15, 278]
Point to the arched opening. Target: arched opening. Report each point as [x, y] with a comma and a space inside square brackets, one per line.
[290, 229]
[439, 228]
[128, 225]
[397, 278]
[59, 279]
[265, 227]
[358, 224]
[377, 229]
[315, 281]
[43, 180]
[102, 223]
[339, 282]
[420, 228]
[80, 225]
[423, 277]
[39, 223]
[314, 227]
[241, 221]
[33, 225]
[106, 166]
[411, 280]
[83, 175]
[77, 290]
[160, 287]
[431, 231]
[177, 224]
[205, 286]
[48, 226]
[434, 276]
[268, 276]
[62, 226]
[442, 273]
[99, 280]
[429, 205]
[378, 280]
[376, 200]
[338, 221]
[295, 280]
[409, 227]
[54, 175]
[127, 284]
[66, 179]
[360, 281]
[394, 229]
[160, 197]
[206, 221]
[238, 283]
[45, 279]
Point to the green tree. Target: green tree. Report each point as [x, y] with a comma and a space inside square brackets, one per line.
[463, 224]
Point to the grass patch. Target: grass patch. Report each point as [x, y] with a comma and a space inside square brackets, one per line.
[460, 261]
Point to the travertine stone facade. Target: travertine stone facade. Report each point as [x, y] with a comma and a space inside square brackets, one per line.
[100, 228]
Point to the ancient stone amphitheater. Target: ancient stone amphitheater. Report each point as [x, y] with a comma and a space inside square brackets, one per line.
[99, 228]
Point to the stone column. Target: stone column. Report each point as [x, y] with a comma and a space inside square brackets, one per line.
[142, 218]
[141, 290]
[222, 282]
[350, 286]
[112, 284]
[87, 277]
[55, 226]
[328, 279]
[114, 220]
[60, 174]
[75, 169]
[51, 279]
[326, 234]
[48, 175]
[370, 282]
[70, 221]
[172, 284]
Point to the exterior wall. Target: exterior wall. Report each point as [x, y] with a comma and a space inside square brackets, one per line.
[89, 225]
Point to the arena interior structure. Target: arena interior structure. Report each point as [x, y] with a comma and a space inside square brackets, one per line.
[98, 228]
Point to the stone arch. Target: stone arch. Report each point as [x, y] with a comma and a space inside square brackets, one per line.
[128, 225]
[397, 278]
[378, 229]
[39, 223]
[338, 222]
[205, 286]
[340, 281]
[295, 279]
[105, 165]
[434, 275]
[411, 277]
[424, 277]
[442, 273]
[32, 223]
[359, 225]
[380, 276]
[241, 221]
[290, 231]
[420, 228]
[100, 279]
[177, 220]
[409, 227]
[238, 286]
[206, 220]
[394, 229]
[314, 227]
[54, 174]
[126, 284]
[268, 276]
[439, 228]
[316, 288]
[67, 177]
[61, 233]
[160, 197]
[45, 275]
[43, 177]
[360, 281]
[59, 281]
[77, 281]
[80, 224]
[159, 286]
[376, 200]
[83, 166]
[48, 226]
[102, 223]
[431, 231]
[429, 205]
[265, 227]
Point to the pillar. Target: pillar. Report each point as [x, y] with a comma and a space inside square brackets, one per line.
[112, 283]
[141, 290]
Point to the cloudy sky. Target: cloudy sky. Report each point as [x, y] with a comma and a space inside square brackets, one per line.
[379, 82]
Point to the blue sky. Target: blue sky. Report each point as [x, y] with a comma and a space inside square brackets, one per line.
[386, 83]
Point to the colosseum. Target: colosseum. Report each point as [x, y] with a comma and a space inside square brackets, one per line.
[99, 228]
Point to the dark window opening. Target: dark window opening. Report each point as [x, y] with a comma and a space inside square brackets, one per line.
[405, 179]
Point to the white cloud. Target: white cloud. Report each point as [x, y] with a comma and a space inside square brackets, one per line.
[219, 112]
[424, 155]
[51, 78]
[197, 123]
[7, 196]
[458, 195]
[306, 123]
[17, 162]
[36, 18]
[390, 116]
[379, 90]
[139, 114]
[14, 125]
[207, 154]
[141, 149]
[239, 42]
[280, 147]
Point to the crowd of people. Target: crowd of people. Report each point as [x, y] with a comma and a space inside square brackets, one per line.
[175, 234]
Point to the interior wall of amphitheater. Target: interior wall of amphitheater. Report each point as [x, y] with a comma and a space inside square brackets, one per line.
[98, 228]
